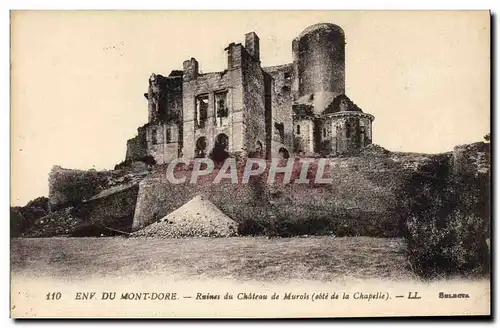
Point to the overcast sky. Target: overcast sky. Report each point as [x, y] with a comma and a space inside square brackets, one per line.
[78, 78]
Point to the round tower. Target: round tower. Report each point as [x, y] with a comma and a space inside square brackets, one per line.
[319, 64]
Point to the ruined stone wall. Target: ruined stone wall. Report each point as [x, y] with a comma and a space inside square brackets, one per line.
[165, 103]
[364, 189]
[164, 98]
[304, 135]
[268, 84]
[134, 150]
[363, 186]
[163, 141]
[342, 133]
[255, 107]
[367, 123]
[347, 135]
[229, 81]
[114, 209]
[157, 198]
[70, 187]
[172, 101]
[281, 98]
[137, 147]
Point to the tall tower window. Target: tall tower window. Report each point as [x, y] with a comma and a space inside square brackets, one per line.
[221, 110]
[279, 131]
[347, 130]
[201, 113]
[298, 129]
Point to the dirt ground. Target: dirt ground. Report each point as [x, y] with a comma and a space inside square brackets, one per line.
[240, 258]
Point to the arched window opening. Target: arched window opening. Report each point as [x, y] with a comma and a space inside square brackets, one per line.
[220, 151]
[284, 153]
[201, 147]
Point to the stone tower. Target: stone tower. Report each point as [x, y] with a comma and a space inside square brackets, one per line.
[319, 65]
[326, 121]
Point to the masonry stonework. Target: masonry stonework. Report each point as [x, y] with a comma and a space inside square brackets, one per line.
[295, 109]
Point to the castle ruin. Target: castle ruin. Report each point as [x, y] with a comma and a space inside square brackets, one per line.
[295, 109]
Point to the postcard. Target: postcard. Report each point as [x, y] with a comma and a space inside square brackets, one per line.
[250, 164]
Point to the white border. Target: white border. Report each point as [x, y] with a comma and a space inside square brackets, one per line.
[217, 4]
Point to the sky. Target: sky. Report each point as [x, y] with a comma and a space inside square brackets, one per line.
[78, 78]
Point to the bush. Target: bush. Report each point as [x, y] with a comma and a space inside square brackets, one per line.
[286, 226]
[250, 227]
[445, 217]
[456, 245]
[23, 218]
[299, 221]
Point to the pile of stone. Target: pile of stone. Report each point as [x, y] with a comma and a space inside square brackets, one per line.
[127, 179]
[58, 223]
[197, 218]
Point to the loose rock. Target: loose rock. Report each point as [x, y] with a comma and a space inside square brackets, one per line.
[197, 218]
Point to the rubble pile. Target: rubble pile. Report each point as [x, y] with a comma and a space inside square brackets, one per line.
[197, 218]
[59, 223]
[125, 179]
